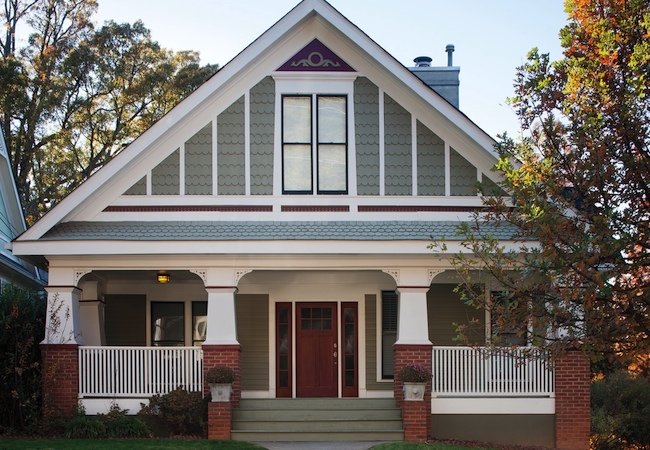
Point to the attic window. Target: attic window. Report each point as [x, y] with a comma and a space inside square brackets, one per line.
[321, 139]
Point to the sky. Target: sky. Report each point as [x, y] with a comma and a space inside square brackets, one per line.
[492, 37]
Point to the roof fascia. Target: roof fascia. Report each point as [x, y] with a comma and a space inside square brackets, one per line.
[9, 190]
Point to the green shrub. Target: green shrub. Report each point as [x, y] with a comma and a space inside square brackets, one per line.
[178, 413]
[620, 416]
[81, 426]
[120, 425]
[22, 328]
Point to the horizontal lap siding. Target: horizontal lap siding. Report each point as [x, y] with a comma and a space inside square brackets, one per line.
[445, 308]
[125, 318]
[253, 334]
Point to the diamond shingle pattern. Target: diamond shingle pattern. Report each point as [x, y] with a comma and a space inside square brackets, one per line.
[262, 231]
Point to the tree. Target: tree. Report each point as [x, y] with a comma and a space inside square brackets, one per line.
[76, 96]
[579, 192]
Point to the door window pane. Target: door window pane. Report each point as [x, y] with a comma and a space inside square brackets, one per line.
[167, 324]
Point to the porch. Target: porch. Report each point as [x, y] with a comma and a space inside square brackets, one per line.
[465, 380]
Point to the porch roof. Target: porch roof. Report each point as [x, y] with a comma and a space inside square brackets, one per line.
[268, 230]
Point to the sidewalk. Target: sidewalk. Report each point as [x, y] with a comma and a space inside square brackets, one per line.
[317, 445]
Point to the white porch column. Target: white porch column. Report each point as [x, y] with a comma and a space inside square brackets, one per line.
[222, 325]
[62, 319]
[91, 308]
[413, 325]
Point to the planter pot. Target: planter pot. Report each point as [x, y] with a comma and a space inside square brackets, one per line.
[414, 391]
[220, 392]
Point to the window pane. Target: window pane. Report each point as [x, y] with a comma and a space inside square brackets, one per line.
[297, 168]
[167, 323]
[331, 120]
[388, 332]
[332, 168]
[199, 322]
[296, 116]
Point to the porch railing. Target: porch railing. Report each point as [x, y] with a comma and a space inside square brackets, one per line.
[138, 371]
[488, 372]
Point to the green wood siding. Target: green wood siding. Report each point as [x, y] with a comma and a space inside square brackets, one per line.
[446, 308]
[253, 334]
[366, 123]
[431, 162]
[462, 175]
[198, 162]
[371, 347]
[166, 175]
[262, 129]
[230, 150]
[397, 148]
[125, 318]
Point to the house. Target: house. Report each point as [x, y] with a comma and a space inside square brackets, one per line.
[277, 221]
[13, 270]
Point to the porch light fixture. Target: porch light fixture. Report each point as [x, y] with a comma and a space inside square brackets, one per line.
[163, 278]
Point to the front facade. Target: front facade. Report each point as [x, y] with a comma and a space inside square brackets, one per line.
[277, 221]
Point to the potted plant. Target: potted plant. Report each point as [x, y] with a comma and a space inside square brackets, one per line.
[414, 378]
[220, 380]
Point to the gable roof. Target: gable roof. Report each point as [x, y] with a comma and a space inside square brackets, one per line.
[122, 171]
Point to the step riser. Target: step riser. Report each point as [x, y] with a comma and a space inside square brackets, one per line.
[317, 403]
[333, 426]
[315, 437]
[262, 415]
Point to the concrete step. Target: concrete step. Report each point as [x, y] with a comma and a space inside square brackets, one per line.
[319, 419]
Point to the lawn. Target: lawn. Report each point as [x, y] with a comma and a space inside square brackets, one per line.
[119, 444]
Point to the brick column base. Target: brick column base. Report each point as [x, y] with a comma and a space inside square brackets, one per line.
[572, 401]
[416, 415]
[60, 379]
[219, 420]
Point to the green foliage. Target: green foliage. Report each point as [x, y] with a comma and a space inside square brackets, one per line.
[620, 412]
[81, 426]
[22, 324]
[74, 96]
[579, 185]
[414, 373]
[120, 425]
[221, 375]
[177, 413]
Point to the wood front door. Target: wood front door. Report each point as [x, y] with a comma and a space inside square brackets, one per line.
[316, 350]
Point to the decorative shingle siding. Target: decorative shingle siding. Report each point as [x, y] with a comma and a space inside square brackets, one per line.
[198, 162]
[431, 162]
[263, 230]
[397, 148]
[262, 107]
[366, 120]
[230, 145]
[491, 188]
[165, 176]
[139, 188]
[463, 175]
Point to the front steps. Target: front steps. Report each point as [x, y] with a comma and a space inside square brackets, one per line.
[317, 419]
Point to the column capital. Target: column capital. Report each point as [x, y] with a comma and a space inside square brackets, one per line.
[221, 289]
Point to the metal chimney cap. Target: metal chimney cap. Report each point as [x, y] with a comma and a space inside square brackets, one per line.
[450, 48]
[423, 61]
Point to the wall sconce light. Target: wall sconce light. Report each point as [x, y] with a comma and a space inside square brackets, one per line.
[163, 277]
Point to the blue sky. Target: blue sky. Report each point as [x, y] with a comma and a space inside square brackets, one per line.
[492, 37]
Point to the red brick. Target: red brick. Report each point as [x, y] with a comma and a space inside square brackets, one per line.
[572, 401]
[416, 416]
[60, 379]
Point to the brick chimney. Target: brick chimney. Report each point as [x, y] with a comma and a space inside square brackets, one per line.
[442, 79]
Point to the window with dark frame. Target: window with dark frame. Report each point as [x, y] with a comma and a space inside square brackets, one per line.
[388, 332]
[330, 149]
[167, 324]
[199, 322]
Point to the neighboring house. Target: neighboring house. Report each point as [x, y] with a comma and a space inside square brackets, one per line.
[277, 221]
[13, 270]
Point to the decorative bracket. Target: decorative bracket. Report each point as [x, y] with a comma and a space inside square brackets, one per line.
[393, 273]
[239, 273]
[202, 273]
[79, 273]
[432, 273]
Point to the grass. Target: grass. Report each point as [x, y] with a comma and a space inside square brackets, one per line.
[119, 444]
[412, 446]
